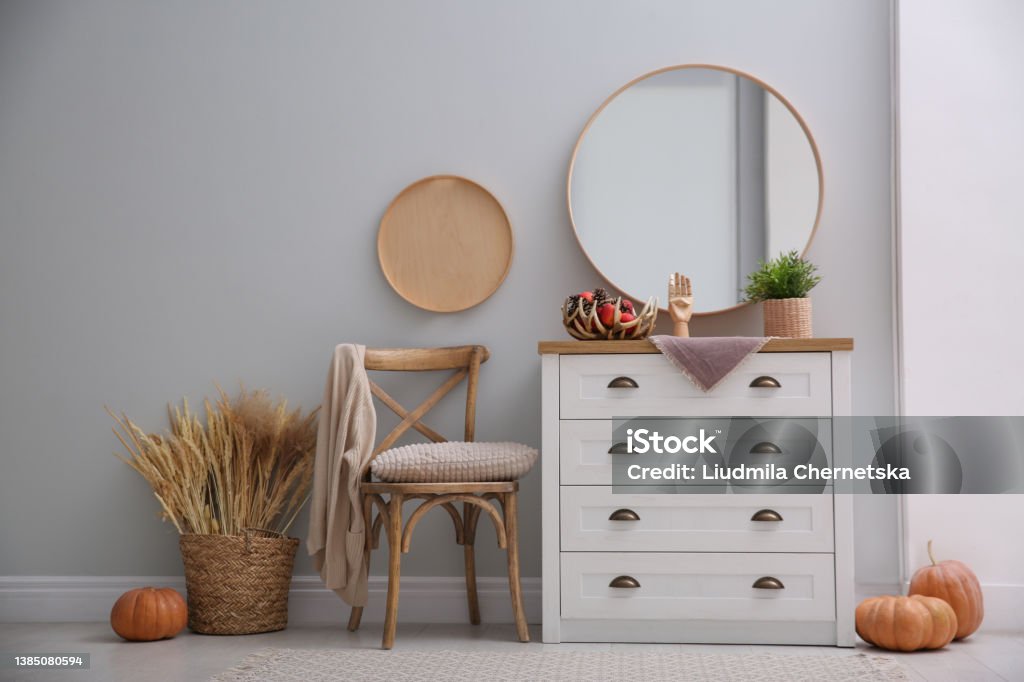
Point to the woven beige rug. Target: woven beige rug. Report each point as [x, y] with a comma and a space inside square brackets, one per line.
[305, 665]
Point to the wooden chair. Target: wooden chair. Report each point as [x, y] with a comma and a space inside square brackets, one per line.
[475, 497]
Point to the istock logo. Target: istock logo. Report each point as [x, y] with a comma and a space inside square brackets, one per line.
[642, 441]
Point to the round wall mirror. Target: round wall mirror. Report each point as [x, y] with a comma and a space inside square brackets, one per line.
[696, 169]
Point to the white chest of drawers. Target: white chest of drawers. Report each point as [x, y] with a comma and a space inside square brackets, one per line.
[689, 568]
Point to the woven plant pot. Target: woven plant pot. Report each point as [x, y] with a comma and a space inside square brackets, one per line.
[238, 584]
[788, 317]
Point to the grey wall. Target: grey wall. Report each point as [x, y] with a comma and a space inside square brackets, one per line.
[190, 192]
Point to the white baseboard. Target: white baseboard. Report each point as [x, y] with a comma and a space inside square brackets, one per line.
[1004, 604]
[865, 590]
[52, 599]
[1004, 607]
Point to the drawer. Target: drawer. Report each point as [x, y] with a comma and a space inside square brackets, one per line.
[584, 444]
[656, 388]
[693, 523]
[698, 586]
[583, 457]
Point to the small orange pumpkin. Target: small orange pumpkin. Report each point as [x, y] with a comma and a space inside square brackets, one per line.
[906, 623]
[956, 584]
[149, 613]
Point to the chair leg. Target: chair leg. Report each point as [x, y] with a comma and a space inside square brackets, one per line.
[394, 568]
[354, 618]
[511, 509]
[470, 514]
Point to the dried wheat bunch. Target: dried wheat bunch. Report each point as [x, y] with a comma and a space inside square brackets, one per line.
[249, 466]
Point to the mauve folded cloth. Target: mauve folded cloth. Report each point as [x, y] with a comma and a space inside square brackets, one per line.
[707, 360]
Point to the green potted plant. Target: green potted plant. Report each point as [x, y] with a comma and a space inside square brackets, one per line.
[783, 284]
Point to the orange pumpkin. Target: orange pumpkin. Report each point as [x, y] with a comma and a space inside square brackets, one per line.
[149, 613]
[956, 584]
[906, 623]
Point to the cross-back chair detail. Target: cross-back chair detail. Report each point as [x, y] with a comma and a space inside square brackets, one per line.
[465, 360]
[476, 498]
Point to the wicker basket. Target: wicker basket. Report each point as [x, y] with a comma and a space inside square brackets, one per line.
[238, 584]
[788, 317]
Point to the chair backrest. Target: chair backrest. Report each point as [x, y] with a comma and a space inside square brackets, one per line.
[465, 360]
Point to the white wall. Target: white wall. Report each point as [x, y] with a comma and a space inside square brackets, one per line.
[190, 192]
[961, 103]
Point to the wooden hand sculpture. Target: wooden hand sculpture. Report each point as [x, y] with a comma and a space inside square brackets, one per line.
[680, 303]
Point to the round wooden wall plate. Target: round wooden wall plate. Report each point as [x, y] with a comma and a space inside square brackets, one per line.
[445, 243]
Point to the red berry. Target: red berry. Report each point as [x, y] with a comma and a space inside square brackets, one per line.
[606, 313]
[629, 317]
[587, 295]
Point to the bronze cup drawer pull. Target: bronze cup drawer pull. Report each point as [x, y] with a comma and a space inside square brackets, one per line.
[765, 382]
[624, 515]
[766, 515]
[766, 448]
[623, 382]
[768, 583]
[625, 581]
[618, 449]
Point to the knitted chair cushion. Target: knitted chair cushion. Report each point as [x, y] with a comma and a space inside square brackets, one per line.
[454, 462]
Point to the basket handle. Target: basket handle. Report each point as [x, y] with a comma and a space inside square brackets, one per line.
[247, 532]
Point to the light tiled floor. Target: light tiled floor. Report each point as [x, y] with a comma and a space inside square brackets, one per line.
[188, 657]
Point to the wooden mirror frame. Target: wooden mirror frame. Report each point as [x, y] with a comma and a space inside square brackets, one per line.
[678, 67]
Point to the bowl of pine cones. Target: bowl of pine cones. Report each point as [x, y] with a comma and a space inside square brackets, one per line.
[597, 315]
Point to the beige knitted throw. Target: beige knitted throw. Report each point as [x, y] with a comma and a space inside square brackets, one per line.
[344, 445]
